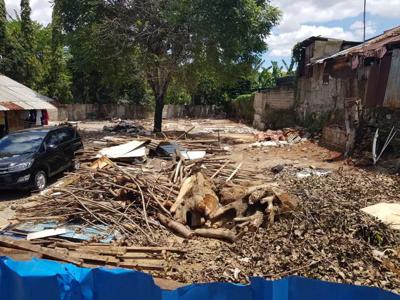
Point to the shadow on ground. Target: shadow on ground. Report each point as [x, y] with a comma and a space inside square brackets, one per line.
[13, 195]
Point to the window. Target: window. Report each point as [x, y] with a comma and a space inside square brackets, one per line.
[53, 139]
[21, 142]
[66, 135]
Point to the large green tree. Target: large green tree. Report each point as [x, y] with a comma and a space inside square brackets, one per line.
[27, 41]
[101, 72]
[169, 35]
[58, 79]
[26, 22]
[3, 28]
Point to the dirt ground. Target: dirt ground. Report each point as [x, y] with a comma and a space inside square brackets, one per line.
[328, 237]
[238, 137]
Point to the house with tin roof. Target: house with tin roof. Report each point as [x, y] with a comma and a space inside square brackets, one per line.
[22, 107]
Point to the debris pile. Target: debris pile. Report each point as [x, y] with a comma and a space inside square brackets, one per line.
[123, 126]
[112, 196]
[327, 237]
[224, 216]
[276, 138]
[190, 198]
[191, 202]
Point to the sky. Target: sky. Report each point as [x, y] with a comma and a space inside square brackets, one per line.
[342, 19]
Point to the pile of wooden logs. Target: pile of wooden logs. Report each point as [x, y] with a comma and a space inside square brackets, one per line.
[224, 216]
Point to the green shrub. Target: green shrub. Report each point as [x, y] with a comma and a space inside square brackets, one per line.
[243, 107]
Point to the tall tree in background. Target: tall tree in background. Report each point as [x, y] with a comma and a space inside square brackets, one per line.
[3, 28]
[56, 49]
[171, 34]
[27, 42]
[101, 72]
[26, 22]
[58, 78]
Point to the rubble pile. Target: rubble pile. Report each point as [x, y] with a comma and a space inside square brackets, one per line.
[190, 212]
[143, 205]
[123, 126]
[326, 238]
[194, 198]
[276, 138]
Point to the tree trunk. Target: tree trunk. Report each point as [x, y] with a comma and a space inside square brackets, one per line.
[158, 112]
[158, 79]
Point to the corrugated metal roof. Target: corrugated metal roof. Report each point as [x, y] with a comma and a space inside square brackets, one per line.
[15, 96]
[12, 106]
[375, 47]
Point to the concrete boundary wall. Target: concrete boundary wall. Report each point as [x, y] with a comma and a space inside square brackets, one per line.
[190, 111]
[274, 108]
[80, 112]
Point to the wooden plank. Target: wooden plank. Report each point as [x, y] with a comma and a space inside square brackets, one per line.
[136, 255]
[117, 251]
[92, 257]
[133, 264]
[18, 254]
[103, 250]
[154, 249]
[156, 262]
[45, 252]
[68, 245]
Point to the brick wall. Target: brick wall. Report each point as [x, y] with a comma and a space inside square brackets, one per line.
[334, 137]
[274, 108]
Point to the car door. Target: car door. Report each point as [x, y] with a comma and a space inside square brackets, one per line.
[66, 136]
[77, 144]
[53, 152]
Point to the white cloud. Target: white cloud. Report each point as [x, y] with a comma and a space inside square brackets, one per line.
[41, 10]
[358, 28]
[296, 13]
[384, 8]
[305, 18]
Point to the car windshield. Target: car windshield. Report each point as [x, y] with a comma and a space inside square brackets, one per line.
[21, 142]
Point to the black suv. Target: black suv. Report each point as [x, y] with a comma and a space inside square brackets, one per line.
[29, 157]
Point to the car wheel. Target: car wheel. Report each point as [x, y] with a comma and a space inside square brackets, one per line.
[40, 181]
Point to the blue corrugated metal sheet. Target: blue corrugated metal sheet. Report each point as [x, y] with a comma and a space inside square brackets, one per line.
[47, 280]
[392, 97]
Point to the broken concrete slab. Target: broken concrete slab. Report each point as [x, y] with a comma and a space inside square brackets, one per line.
[388, 213]
[132, 149]
[193, 155]
[308, 172]
[46, 233]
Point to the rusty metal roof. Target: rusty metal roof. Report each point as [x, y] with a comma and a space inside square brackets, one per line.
[375, 47]
[15, 96]
[12, 106]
